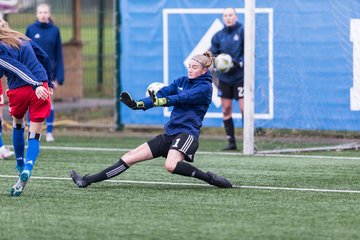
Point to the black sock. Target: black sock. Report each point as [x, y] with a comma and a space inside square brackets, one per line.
[188, 170]
[229, 129]
[107, 173]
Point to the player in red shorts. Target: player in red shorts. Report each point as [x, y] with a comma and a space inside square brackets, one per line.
[4, 151]
[27, 68]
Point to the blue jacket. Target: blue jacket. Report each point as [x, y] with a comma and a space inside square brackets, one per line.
[191, 99]
[26, 66]
[230, 40]
[47, 36]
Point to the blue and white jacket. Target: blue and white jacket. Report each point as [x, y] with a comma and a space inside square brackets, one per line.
[230, 40]
[191, 99]
[47, 36]
[27, 66]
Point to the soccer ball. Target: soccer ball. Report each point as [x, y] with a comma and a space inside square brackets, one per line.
[223, 62]
[155, 86]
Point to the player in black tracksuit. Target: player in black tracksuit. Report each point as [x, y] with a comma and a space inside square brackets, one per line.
[230, 40]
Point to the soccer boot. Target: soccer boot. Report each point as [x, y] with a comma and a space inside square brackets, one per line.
[219, 181]
[231, 146]
[78, 179]
[5, 153]
[19, 186]
[50, 137]
[25, 175]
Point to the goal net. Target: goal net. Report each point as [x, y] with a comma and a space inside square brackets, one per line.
[307, 76]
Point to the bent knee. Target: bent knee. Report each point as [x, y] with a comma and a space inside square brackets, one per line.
[227, 111]
[128, 154]
[169, 166]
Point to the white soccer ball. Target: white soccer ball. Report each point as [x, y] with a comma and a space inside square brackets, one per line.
[155, 86]
[223, 62]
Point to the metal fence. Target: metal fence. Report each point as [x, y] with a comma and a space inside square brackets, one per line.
[97, 37]
[96, 107]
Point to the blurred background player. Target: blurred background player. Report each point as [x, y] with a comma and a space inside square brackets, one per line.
[230, 40]
[4, 151]
[190, 96]
[47, 36]
[27, 68]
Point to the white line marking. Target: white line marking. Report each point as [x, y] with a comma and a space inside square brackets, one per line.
[307, 156]
[301, 189]
[198, 152]
[203, 185]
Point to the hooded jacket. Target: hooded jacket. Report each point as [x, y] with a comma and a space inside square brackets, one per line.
[28, 65]
[191, 99]
[47, 36]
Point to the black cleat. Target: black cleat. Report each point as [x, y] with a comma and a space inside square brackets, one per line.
[219, 181]
[78, 179]
[231, 146]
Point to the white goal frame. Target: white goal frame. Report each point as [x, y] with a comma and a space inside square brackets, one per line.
[249, 78]
[269, 11]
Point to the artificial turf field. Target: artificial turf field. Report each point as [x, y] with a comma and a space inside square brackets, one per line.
[309, 196]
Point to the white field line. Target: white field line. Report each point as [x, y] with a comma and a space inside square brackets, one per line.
[204, 185]
[198, 152]
[200, 184]
[301, 189]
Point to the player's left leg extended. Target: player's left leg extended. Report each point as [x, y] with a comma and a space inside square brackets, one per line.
[141, 153]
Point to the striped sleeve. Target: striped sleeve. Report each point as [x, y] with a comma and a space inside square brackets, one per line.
[13, 66]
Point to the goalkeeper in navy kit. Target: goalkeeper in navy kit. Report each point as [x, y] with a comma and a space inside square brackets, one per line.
[230, 40]
[190, 96]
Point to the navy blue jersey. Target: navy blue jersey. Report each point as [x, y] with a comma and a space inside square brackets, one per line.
[230, 40]
[28, 65]
[191, 99]
[47, 36]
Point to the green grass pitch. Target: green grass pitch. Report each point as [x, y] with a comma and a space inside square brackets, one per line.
[312, 196]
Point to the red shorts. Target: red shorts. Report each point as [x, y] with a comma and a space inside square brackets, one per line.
[24, 98]
[1, 94]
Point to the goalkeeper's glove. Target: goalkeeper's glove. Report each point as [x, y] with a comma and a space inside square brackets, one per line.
[157, 101]
[130, 102]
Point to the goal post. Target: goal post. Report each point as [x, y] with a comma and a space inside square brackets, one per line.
[249, 77]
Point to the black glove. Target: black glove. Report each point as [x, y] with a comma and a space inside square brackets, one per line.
[130, 102]
[157, 101]
[238, 64]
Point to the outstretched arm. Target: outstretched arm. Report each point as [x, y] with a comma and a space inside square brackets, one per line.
[130, 102]
[158, 102]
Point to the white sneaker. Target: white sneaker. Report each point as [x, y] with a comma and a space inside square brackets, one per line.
[49, 137]
[5, 153]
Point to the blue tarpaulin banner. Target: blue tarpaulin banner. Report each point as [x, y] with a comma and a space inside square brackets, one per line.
[307, 72]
